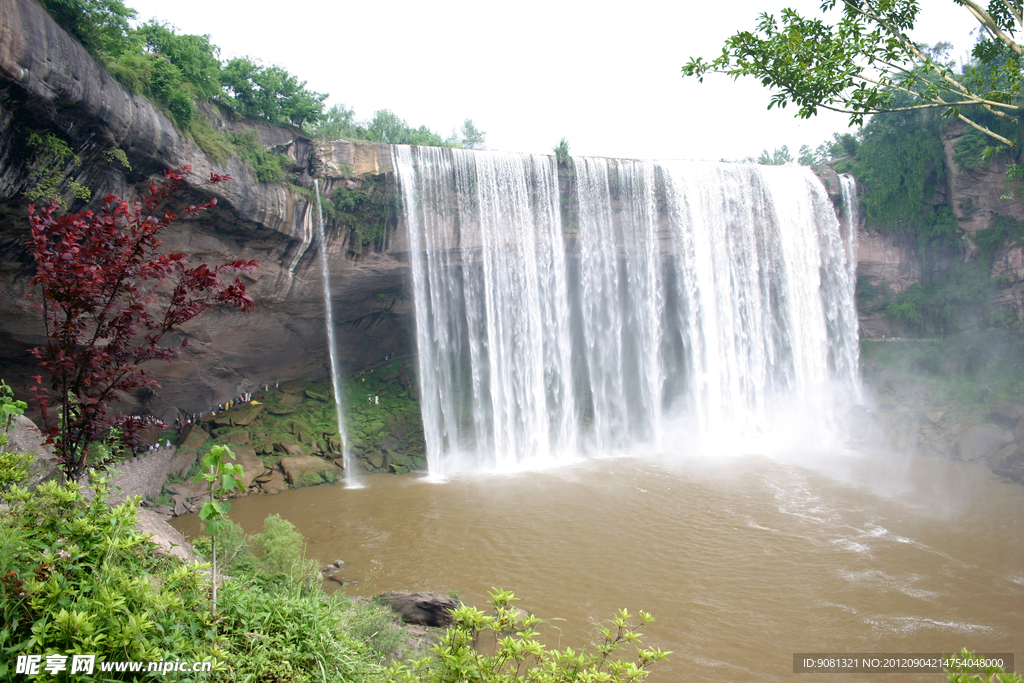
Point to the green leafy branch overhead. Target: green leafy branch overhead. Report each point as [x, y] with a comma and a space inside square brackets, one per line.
[865, 63]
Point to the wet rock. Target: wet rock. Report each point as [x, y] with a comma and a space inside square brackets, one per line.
[981, 441]
[180, 505]
[1018, 431]
[425, 609]
[298, 470]
[252, 466]
[934, 414]
[1006, 413]
[275, 484]
[1009, 462]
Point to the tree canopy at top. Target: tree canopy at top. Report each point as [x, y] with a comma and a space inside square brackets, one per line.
[865, 63]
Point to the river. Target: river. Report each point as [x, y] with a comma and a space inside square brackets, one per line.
[743, 561]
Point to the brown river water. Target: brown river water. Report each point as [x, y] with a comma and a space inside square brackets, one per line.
[742, 561]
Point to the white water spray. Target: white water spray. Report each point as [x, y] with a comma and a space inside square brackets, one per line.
[716, 292]
[332, 345]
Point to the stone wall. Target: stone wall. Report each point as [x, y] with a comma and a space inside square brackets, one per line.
[143, 475]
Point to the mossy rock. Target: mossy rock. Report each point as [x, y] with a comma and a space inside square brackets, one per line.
[282, 410]
[233, 436]
[317, 395]
[244, 416]
[376, 459]
[295, 386]
[195, 438]
[398, 469]
[308, 478]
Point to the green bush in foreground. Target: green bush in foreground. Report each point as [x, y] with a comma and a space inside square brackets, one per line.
[519, 656]
[79, 578]
[992, 674]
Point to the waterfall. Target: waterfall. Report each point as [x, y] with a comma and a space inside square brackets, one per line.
[331, 343]
[555, 324]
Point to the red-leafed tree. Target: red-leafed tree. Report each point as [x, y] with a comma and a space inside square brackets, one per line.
[108, 297]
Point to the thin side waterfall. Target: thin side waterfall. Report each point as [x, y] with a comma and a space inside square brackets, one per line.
[679, 303]
[331, 343]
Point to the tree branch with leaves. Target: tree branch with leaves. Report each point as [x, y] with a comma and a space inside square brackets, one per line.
[865, 63]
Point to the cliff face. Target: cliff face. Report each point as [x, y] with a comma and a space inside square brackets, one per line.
[49, 84]
[977, 197]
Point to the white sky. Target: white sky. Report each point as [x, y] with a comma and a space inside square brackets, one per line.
[606, 76]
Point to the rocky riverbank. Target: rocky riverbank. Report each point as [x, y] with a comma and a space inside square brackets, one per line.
[942, 398]
[287, 436]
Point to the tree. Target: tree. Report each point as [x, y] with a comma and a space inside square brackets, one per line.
[860, 64]
[271, 93]
[471, 137]
[101, 26]
[218, 474]
[99, 278]
[195, 56]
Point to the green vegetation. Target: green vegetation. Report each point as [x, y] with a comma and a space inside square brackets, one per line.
[221, 478]
[865, 63]
[383, 437]
[266, 166]
[79, 578]
[513, 650]
[968, 372]
[969, 674]
[365, 213]
[180, 72]
[14, 467]
[50, 170]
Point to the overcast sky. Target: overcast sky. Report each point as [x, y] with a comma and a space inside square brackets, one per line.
[606, 76]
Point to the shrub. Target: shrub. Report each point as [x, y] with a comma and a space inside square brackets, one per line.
[98, 277]
[80, 578]
[517, 652]
[279, 548]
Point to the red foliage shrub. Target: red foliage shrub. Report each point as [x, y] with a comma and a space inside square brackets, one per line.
[99, 276]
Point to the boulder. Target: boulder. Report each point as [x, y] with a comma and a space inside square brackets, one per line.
[1018, 431]
[164, 535]
[252, 466]
[274, 484]
[1006, 413]
[425, 609]
[195, 437]
[298, 470]
[244, 416]
[317, 395]
[189, 490]
[934, 414]
[25, 437]
[981, 441]
[294, 450]
[182, 464]
[1009, 462]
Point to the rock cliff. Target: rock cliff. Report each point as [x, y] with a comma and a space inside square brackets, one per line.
[49, 84]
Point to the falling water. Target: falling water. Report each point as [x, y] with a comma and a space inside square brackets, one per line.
[644, 295]
[332, 345]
